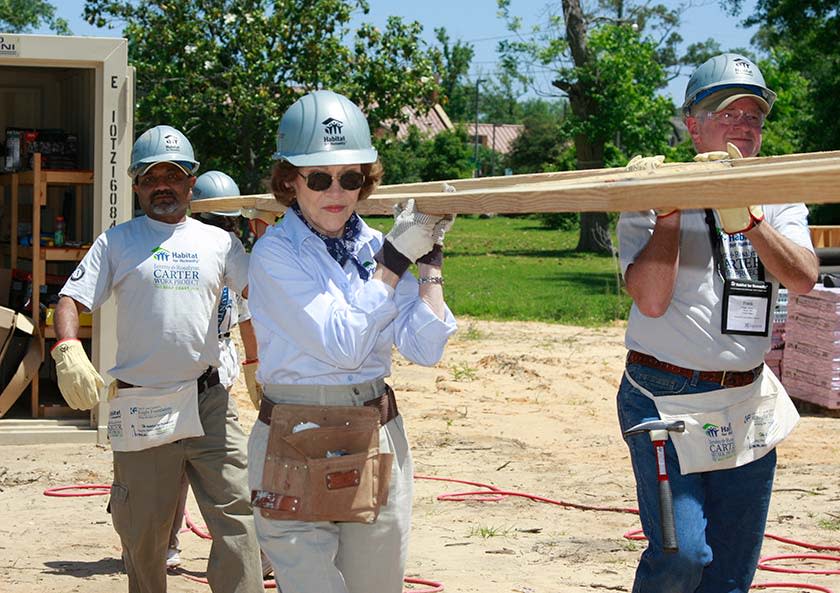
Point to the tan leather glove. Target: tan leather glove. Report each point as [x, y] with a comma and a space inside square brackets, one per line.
[77, 379]
[255, 390]
[269, 217]
[649, 163]
[733, 220]
[259, 220]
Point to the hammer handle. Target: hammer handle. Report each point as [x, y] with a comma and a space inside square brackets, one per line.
[666, 511]
[666, 500]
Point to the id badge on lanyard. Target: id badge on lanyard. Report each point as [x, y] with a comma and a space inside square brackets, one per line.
[746, 307]
[746, 302]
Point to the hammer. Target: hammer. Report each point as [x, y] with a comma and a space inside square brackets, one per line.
[658, 431]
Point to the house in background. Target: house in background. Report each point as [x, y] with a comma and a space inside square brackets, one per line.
[496, 137]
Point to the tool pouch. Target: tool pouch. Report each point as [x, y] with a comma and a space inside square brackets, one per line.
[300, 482]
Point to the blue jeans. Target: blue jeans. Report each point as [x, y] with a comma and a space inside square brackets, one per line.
[719, 516]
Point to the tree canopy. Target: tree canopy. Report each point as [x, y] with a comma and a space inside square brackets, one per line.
[22, 16]
[224, 71]
[804, 36]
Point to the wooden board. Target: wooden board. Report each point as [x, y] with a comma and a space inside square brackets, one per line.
[808, 177]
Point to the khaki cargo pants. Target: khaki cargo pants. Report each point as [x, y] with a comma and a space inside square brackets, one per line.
[144, 498]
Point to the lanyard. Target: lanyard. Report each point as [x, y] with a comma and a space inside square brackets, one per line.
[718, 252]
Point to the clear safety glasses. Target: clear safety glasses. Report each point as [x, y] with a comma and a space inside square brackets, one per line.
[734, 117]
[320, 181]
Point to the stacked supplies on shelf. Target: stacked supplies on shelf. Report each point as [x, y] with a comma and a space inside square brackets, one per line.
[773, 358]
[811, 361]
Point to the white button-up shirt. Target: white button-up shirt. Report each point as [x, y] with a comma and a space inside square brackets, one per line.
[318, 323]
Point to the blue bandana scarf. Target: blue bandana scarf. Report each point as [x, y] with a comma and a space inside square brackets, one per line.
[340, 248]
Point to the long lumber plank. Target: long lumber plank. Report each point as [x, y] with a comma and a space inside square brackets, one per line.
[807, 177]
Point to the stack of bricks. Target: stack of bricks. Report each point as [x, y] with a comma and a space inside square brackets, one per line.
[811, 361]
[773, 358]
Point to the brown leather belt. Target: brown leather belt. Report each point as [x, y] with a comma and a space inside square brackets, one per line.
[208, 379]
[723, 378]
[385, 403]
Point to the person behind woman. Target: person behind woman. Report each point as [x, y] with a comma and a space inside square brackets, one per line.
[329, 298]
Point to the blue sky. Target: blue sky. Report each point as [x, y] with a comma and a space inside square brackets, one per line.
[476, 22]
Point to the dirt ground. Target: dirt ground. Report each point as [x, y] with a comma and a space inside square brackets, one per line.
[525, 407]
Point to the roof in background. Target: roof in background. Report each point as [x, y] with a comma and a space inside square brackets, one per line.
[498, 137]
[430, 124]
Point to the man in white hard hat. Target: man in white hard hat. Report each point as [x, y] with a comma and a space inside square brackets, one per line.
[704, 284]
[169, 414]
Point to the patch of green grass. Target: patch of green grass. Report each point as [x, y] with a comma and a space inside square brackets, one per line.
[487, 532]
[832, 524]
[513, 269]
[471, 333]
[464, 372]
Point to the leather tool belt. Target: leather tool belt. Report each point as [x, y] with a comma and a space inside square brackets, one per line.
[208, 379]
[385, 403]
[723, 378]
[323, 463]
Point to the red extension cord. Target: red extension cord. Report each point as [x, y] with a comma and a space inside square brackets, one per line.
[493, 494]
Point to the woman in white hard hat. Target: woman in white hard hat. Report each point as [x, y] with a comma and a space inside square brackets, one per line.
[329, 464]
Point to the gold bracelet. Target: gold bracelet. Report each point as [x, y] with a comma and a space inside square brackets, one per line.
[430, 280]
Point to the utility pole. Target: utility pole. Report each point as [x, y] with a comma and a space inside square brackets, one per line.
[478, 82]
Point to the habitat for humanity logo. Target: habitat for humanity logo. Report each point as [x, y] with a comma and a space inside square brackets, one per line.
[163, 255]
[177, 270]
[332, 129]
[160, 254]
[743, 67]
[721, 441]
[172, 143]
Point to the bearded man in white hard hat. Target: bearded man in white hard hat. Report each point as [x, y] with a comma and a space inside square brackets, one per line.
[704, 284]
[169, 414]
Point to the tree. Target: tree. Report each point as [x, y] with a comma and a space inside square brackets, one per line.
[453, 69]
[446, 156]
[808, 32]
[224, 71]
[610, 75]
[22, 16]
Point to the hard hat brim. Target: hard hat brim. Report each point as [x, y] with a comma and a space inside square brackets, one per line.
[723, 99]
[187, 167]
[329, 158]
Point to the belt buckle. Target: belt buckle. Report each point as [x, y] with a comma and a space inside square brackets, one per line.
[723, 379]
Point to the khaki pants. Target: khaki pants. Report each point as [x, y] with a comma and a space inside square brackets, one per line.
[144, 499]
[325, 557]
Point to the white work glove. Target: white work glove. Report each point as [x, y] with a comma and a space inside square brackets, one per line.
[649, 163]
[255, 390]
[446, 222]
[742, 218]
[441, 228]
[645, 163]
[412, 233]
[77, 379]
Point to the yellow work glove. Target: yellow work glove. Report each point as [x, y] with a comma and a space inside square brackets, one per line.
[77, 379]
[255, 390]
[649, 163]
[733, 220]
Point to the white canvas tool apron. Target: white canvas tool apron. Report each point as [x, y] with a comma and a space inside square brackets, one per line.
[145, 417]
[729, 427]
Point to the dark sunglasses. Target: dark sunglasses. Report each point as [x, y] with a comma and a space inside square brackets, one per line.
[320, 181]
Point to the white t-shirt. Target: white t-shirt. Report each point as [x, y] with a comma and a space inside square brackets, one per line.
[167, 280]
[688, 334]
